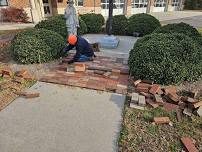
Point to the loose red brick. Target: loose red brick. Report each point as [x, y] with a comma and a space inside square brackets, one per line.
[188, 99]
[98, 72]
[32, 95]
[107, 74]
[141, 89]
[155, 88]
[152, 103]
[161, 120]
[179, 115]
[198, 104]
[182, 105]
[21, 73]
[170, 90]
[144, 85]
[79, 67]
[137, 82]
[5, 85]
[7, 71]
[194, 94]
[174, 97]
[121, 89]
[28, 76]
[21, 93]
[170, 107]
[19, 80]
[116, 72]
[188, 144]
[147, 95]
[158, 98]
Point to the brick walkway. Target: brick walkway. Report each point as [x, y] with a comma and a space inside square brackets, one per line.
[104, 73]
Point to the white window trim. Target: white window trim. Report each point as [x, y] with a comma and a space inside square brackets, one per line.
[117, 3]
[76, 3]
[145, 3]
[5, 6]
[175, 3]
[162, 3]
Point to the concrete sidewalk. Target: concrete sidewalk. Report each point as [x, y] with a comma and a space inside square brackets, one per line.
[62, 119]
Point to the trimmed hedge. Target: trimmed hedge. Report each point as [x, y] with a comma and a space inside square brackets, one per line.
[37, 46]
[182, 28]
[119, 25]
[166, 58]
[193, 4]
[143, 24]
[94, 22]
[58, 25]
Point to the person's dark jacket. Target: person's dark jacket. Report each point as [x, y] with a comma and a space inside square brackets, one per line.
[82, 48]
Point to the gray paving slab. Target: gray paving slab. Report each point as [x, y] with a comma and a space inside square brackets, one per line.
[62, 119]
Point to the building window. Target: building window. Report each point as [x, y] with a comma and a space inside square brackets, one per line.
[160, 3]
[3, 2]
[118, 4]
[175, 3]
[79, 2]
[139, 3]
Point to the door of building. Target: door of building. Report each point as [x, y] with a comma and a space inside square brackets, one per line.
[159, 5]
[47, 7]
[118, 7]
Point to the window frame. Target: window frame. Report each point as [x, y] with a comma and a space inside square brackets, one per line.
[175, 3]
[77, 3]
[160, 3]
[139, 4]
[4, 5]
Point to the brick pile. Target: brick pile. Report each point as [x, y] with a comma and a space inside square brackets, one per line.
[156, 96]
[11, 85]
[104, 73]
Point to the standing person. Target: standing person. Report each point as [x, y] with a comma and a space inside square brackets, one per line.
[72, 21]
[84, 51]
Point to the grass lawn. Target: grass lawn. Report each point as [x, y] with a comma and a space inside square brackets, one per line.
[139, 134]
[3, 32]
[200, 30]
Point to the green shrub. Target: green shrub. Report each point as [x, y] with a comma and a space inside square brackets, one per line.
[166, 58]
[94, 22]
[193, 4]
[83, 28]
[58, 25]
[37, 45]
[119, 25]
[179, 28]
[143, 24]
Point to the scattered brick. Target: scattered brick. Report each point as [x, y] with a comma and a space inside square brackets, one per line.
[121, 89]
[32, 95]
[21, 73]
[114, 77]
[155, 88]
[188, 144]
[144, 85]
[179, 115]
[21, 93]
[135, 106]
[137, 82]
[79, 67]
[158, 98]
[199, 111]
[171, 90]
[198, 104]
[107, 74]
[28, 76]
[152, 103]
[147, 95]
[170, 107]
[99, 72]
[161, 120]
[174, 97]
[5, 85]
[142, 101]
[187, 111]
[194, 94]
[19, 80]
[182, 105]
[7, 71]
[116, 72]
[188, 99]
[141, 89]
[124, 71]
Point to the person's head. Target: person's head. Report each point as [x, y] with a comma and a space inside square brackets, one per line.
[72, 39]
[71, 2]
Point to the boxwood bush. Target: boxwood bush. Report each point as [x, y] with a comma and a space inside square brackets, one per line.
[58, 25]
[166, 58]
[94, 22]
[36, 46]
[119, 25]
[143, 24]
[180, 28]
